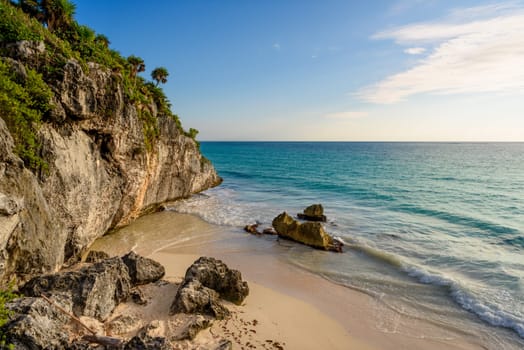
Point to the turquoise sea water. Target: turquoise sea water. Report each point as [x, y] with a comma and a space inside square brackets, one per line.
[434, 230]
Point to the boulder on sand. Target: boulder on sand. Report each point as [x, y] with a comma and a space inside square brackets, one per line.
[314, 212]
[142, 270]
[193, 298]
[205, 282]
[214, 274]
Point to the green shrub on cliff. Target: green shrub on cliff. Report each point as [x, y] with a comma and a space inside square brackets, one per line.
[23, 100]
[52, 22]
[6, 295]
[15, 25]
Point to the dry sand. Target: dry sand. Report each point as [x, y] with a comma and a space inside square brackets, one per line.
[268, 319]
[312, 314]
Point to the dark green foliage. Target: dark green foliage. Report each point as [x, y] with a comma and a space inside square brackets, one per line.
[6, 295]
[15, 25]
[160, 75]
[177, 121]
[57, 15]
[23, 104]
[136, 65]
[103, 40]
[157, 94]
[23, 100]
[150, 128]
[193, 134]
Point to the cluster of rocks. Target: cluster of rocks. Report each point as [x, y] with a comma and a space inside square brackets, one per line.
[310, 233]
[205, 282]
[57, 310]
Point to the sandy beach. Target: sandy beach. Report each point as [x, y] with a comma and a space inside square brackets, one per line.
[308, 312]
[292, 307]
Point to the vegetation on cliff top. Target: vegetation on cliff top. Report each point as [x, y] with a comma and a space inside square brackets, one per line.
[25, 100]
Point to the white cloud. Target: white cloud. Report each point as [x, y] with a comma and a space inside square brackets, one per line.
[345, 115]
[480, 51]
[415, 50]
[276, 46]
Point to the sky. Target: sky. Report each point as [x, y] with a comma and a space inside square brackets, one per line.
[330, 70]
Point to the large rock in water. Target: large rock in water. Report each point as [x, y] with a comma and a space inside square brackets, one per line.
[314, 212]
[94, 290]
[309, 233]
[102, 170]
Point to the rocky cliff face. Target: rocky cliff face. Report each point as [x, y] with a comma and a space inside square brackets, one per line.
[102, 172]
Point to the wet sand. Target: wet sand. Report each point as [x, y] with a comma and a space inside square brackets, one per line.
[296, 308]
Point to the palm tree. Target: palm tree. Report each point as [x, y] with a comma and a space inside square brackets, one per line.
[137, 65]
[102, 39]
[57, 14]
[160, 74]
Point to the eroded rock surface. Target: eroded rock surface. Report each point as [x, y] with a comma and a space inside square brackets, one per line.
[102, 171]
[214, 274]
[314, 212]
[36, 324]
[96, 256]
[192, 297]
[94, 290]
[142, 270]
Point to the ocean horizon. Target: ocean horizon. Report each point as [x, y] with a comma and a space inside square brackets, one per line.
[434, 230]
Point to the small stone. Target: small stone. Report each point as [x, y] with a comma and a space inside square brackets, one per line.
[252, 228]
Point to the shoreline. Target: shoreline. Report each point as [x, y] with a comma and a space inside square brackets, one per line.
[280, 319]
[361, 318]
[356, 312]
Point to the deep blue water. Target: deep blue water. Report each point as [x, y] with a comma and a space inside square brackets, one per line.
[436, 226]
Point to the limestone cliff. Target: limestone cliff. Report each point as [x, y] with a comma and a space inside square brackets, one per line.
[102, 170]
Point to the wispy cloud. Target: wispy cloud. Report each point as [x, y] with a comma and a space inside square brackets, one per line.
[415, 50]
[475, 50]
[345, 115]
[276, 46]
